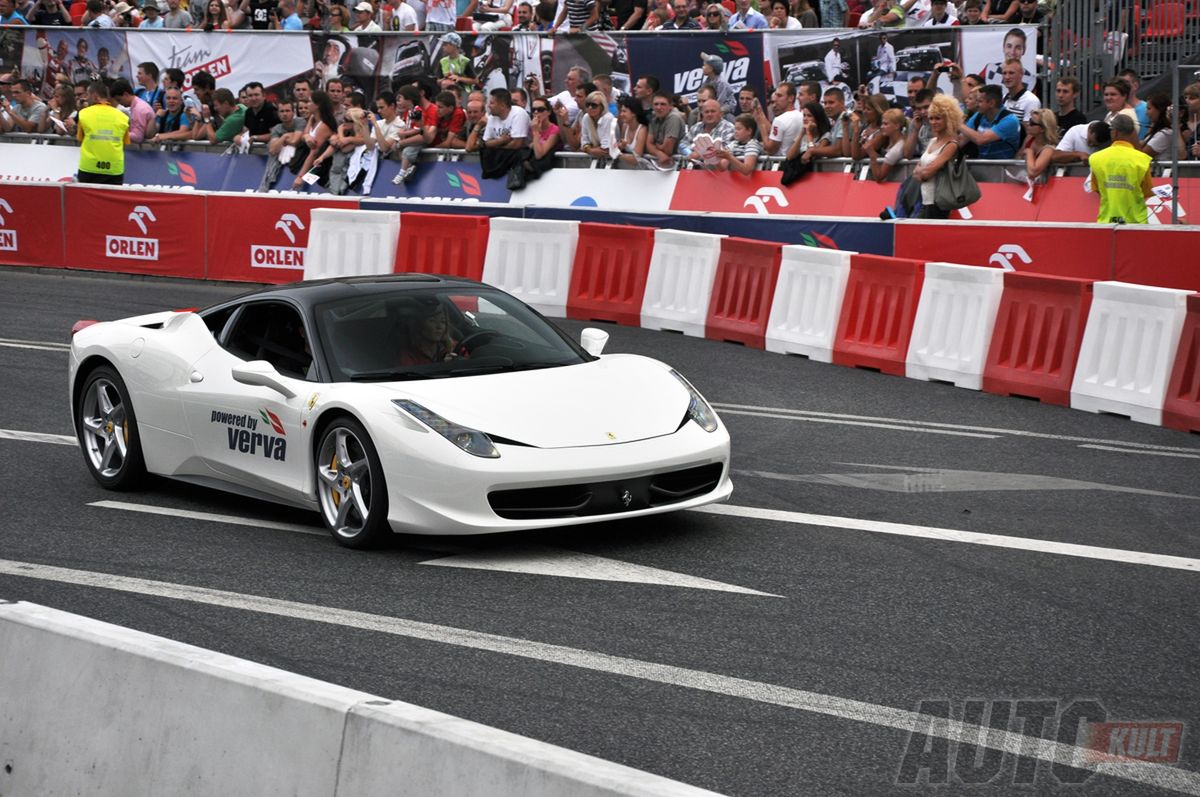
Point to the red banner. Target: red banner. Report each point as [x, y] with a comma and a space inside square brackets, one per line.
[761, 193]
[31, 224]
[1162, 256]
[140, 232]
[260, 239]
[1001, 202]
[1076, 251]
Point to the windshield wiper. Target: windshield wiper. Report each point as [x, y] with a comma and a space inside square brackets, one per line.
[395, 376]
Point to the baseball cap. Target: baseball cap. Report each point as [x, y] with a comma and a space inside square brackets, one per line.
[364, 6]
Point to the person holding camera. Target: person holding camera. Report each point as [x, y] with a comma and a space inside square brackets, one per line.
[50, 12]
[174, 119]
[406, 131]
[21, 111]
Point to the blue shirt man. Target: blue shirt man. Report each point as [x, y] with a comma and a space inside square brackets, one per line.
[995, 131]
[747, 18]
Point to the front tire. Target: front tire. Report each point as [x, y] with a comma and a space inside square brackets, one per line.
[350, 486]
[107, 430]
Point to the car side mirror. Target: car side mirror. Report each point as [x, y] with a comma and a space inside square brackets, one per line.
[261, 373]
[593, 340]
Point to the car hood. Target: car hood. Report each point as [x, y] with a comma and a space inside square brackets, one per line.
[616, 399]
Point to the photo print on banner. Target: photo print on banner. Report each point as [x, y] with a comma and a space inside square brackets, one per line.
[80, 56]
[879, 62]
[988, 47]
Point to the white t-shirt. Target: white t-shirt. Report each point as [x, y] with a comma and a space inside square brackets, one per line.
[404, 16]
[785, 129]
[516, 124]
[440, 11]
[1024, 105]
[1075, 140]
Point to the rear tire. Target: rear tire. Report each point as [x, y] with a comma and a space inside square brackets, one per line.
[107, 430]
[351, 488]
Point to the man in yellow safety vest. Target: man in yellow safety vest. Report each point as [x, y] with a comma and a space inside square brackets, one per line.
[1121, 176]
[103, 133]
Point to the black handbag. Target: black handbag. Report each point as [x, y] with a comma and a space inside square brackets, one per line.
[955, 187]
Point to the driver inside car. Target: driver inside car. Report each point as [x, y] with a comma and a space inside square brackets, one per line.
[427, 334]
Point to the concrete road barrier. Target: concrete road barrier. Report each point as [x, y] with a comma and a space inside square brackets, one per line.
[91, 708]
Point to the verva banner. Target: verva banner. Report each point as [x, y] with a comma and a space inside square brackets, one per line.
[1061, 251]
[233, 61]
[140, 232]
[675, 60]
[761, 193]
[31, 225]
[260, 239]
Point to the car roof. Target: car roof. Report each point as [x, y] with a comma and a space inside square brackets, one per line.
[314, 292]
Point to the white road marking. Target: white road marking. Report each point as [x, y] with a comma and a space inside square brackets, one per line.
[234, 520]
[1147, 453]
[38, 345]
[1156, 775]
[546, 561]
[874, 425]
[800, 415]
[906, 479]
[955, 535]
[38, 437]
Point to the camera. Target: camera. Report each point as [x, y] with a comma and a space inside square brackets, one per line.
[415, 115]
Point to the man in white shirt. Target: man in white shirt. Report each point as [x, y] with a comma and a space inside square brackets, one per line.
[1019, 100]
[1080, 141]
[786, 124]
[398, 15]
[834, 63]
[364, 19]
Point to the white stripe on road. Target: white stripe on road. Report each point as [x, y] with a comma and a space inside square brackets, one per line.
[38, 437]
[37, 345]
[954, 535]
[1146, 453]
[1156, 775]
[874, 425]
[234, 520]
[800, 415]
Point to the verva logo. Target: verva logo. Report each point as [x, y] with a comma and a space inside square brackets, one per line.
[289, 257]
[761, 198]
[8, 238]
[465, 183]
[735, 73]
[121, 247]
[1004, 256]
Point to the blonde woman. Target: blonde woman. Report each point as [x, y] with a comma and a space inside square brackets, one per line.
[1042, 127]
[866, 123]
[945, 118]
[597, 127]
[889, 142]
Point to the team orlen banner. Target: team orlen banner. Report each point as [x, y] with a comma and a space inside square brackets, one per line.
[31, 224]
[232, 60]
[675, 60]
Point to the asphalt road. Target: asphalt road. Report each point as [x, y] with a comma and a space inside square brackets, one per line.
[788, 692]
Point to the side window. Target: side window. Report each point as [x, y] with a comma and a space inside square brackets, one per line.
[272, 331]
[217, 321]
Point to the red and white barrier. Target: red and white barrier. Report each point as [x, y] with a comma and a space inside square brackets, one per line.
[954, 322]
[1128, 350]
[608, 279]
[742, 294]
[877, 313]
[442, 243]
[531, 259]
[350, 243]
[1181, 410]
[679, 282]
[808, 301]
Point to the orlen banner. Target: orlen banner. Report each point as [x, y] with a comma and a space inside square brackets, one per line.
[761, 193]
[1077, 250]
[31, 225]
[233, 60]
[260, 239]
[675, 60]
[141, 232]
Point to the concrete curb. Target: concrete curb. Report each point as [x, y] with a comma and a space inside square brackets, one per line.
[89, 707]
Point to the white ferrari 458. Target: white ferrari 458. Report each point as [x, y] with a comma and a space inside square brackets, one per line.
[409, 403]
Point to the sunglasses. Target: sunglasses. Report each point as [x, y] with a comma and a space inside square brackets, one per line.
[1034, 123]
[540, 109]
[593, 105]
[713, 14]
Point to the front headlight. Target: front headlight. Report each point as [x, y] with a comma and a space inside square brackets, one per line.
[698, 409]
[470, 440]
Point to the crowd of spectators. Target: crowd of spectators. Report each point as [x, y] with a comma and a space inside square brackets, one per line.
[440, 16]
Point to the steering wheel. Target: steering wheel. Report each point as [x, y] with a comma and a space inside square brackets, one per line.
[464, 347]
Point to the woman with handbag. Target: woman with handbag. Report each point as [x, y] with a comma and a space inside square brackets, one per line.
[945, 117]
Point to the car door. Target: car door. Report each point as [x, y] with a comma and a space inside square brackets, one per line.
[248, 428]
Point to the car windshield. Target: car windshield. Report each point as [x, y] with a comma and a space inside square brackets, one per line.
[922, 60]
[808, 72]
[437, 333]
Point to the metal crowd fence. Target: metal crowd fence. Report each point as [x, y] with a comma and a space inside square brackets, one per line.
[987, 171]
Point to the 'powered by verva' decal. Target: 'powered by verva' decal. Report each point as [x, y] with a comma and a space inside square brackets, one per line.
[244, 437]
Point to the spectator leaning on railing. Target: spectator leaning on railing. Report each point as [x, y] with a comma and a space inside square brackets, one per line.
[1080, 142]
[994, 131]
[1040, 140]
[890, 141]
[663, 135]
[174, 122]
[142, 121]
[21, 111]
